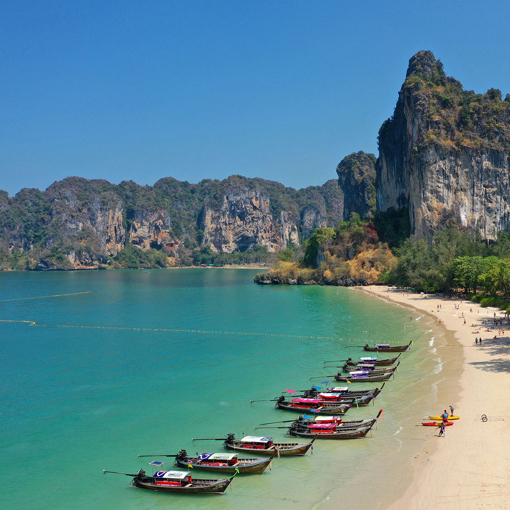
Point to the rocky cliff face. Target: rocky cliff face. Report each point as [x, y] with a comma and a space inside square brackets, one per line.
[356, 177]
[151, 229]
[78, 223]
[445, 153]
[243, 221]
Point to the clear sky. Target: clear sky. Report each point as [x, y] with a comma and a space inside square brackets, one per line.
[282, 90]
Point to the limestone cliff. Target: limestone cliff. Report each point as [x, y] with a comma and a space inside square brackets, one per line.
[445, 153]
[356, 177]
[151, 229]
[77, 223]
[244, 220]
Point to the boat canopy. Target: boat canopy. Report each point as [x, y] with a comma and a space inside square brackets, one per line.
[339, 389]
[254, 439]
[306, 400]
[358, 372]
[365, 365]
[369, 358]
[382, 345]
[217, 456]
[328, 419]
[172, 475]
[329, 426]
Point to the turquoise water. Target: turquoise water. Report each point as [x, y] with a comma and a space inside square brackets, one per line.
[192, 348]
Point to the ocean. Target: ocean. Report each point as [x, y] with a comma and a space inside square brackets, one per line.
[99, 367]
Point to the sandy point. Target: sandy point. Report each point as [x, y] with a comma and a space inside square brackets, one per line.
[470, 467]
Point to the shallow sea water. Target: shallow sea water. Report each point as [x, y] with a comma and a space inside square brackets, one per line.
[112, 364]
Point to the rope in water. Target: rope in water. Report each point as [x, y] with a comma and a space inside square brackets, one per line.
[187, 331]
[44, 297]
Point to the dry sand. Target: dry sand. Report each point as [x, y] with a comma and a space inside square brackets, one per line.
[470, 467]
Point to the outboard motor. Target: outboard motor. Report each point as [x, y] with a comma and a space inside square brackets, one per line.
[182, 455]
[281, 399]
[230, 438]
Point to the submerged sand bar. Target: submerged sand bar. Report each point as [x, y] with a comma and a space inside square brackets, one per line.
[470, 467]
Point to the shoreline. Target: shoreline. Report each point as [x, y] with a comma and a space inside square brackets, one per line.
[467, 468]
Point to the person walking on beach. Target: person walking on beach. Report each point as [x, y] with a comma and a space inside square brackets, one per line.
[480, 341]
[451, 410]
[445, 417]
[442, 431]
[476, 341]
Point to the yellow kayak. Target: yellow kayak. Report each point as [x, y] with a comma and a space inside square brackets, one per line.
[440, 418]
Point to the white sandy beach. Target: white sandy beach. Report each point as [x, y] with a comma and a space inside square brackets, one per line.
[470, 467]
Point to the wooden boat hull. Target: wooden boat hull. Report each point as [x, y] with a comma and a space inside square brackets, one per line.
[374, 371]
[201, 486]
[377, 363]
[257, 467]
[396, 348]
[347, 434]
[347, 424]
[367, 378]
[353, 401]
[284, 449]
[314, 410]
[346, 394]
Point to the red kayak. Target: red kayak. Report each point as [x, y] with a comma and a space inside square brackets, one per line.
[436, 423]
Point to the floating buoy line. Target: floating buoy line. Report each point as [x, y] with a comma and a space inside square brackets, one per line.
[186, 331]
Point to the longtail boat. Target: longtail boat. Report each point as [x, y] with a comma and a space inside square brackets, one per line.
[219, 462]
[387, 348]
[363, 377]
[373, 360]
[312, 405]
[262, 445]
[344, 390]
[325, 397]
[338, 420]
[177, 482]
[370, 369]
[328, 431]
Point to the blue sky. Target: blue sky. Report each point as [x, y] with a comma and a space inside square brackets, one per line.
[276, 89]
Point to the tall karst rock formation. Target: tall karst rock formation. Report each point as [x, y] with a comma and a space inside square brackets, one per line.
[445, 153]
[356, 177]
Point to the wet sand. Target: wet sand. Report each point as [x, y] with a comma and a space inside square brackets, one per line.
[470, 467]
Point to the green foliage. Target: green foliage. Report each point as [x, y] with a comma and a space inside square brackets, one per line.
[132, 257]
[494, 94]
[497, 278]
[393, 226]
[314, 246]
[454, 259]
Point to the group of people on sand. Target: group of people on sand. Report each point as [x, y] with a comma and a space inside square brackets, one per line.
[444, 418]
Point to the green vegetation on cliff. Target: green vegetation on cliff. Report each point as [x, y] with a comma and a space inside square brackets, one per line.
[451, 117]
[351, 254]
[91, 223]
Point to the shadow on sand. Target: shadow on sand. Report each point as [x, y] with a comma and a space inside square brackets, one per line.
[499, 350]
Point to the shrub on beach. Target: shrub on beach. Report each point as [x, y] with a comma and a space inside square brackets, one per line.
[489, 301]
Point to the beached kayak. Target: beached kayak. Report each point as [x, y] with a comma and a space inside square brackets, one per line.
[440, 418]
[436, 423]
